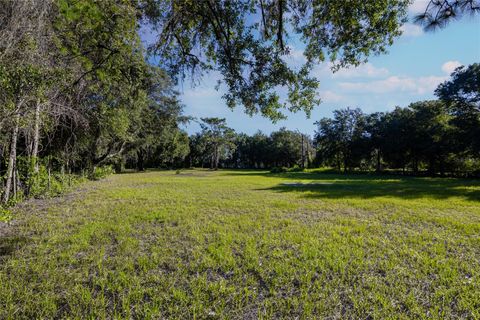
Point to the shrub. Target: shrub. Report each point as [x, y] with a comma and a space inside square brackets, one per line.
[5, 214]
[278, 170]
[296, 168]
[43, 183]
[101, 172]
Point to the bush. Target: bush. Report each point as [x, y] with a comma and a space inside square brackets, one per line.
[278, 170]
[101, 172]
[5, 214]
[296, 168]
[43, 183]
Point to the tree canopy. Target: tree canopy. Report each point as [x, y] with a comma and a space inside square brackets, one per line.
[247, 42]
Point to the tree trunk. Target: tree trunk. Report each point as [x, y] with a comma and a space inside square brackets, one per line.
[140, 162]
[11, 160]
[415, 166]
[303, 153]
[14, 180]
[442, 167]
[216, 157]
[36, 138]
[431, 166]
[379, 167]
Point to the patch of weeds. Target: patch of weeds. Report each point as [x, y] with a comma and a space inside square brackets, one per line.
[99, 173]
[296, 168]
[5, 214]
[279, 170]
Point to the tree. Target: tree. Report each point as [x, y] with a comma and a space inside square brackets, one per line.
[462, 96]
[463, 89]
[197, 147]
[28, 74]
[157, 140]
[246, 41]
[110, 72]
[286, 148]
[219, 139]
[73, 84]
[376, 130]
[261, 155]
[430, 132]
[398, 129]
[340, 138]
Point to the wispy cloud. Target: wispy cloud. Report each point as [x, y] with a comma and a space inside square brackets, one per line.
[366, 70]
[331, 96]
[411, 30]
[404, 84]
[421, 85]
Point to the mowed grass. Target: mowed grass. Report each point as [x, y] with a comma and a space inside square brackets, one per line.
[247, 244]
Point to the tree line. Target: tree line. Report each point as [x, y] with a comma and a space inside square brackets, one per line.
[436, 137]
[217, 145]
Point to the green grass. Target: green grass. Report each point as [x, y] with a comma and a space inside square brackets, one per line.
[242, 244]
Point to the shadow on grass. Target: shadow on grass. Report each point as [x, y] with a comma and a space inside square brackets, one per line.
[9, 244]
[364, 186]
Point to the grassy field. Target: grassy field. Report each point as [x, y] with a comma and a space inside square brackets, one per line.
[246, 244]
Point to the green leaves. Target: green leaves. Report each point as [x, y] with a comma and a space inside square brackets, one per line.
[247, 41]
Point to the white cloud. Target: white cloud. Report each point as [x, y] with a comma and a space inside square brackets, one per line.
[450, 66]
[421, 85]
[404, 84]
[366, 70]
[411, 30]
[330, 96]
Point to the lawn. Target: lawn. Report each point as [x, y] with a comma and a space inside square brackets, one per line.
[246, 244]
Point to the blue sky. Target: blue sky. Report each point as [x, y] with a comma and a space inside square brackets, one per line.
[410, 71]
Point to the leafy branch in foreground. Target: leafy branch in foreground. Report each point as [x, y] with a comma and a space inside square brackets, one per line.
[247, 42]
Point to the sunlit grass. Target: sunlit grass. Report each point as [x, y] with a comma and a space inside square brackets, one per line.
[242, 244]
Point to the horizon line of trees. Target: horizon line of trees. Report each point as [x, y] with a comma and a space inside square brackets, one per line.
[436, 137]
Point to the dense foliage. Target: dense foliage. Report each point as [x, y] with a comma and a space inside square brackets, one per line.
[247, 42]
[283, 148]
[77, 93]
